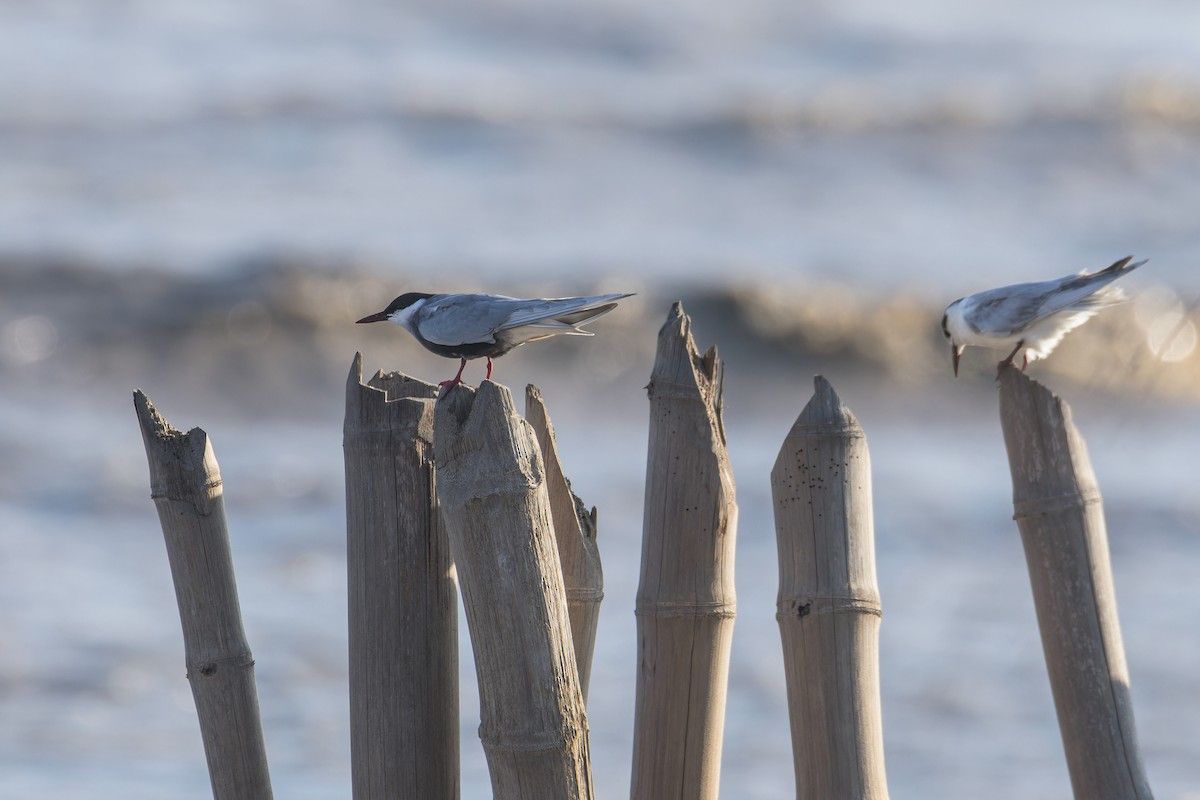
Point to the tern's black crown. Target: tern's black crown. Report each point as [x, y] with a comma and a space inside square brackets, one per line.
[405, 300]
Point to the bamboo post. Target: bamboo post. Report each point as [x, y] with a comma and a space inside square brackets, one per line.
[1059, 512]
[575, 534]
[403, 600]
[828, 609]
[491, 486]
[685, 600]
[185, 484]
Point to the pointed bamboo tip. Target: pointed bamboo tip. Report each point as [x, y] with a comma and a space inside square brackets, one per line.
[356, 366]
[678, 362]
[533, 397]
[477, 408]
[824, 389]
[825, 408]
[494, 396]
[537, 416]
[153, 423]
[676, 329]
[481, 445]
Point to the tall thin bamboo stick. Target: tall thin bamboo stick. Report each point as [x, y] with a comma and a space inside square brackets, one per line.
[491, 485]
[685, 600]
[828, 609]
[1059, 512]
[403, 599]
[575, 533]
[185, 483]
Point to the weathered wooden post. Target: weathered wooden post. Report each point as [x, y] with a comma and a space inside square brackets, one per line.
[575, 533]
[828, 608]
[1058, 510]
[685, 600]
[185, 483]
[403, 599]
[491, 485]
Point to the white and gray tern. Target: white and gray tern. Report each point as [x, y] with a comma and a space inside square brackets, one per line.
[1033, 317]
[468, 326]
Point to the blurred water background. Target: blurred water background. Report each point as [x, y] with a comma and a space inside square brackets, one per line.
[199, 198]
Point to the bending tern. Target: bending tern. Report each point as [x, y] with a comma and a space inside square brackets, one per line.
[1031, 316]
[467, 326]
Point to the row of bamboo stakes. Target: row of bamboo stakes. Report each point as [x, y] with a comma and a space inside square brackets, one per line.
[484, 507]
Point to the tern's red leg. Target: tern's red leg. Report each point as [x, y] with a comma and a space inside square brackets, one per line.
[489, 374]
[457, 379]
[1009, 361]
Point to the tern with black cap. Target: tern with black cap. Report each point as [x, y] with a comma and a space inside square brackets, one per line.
[468, 326]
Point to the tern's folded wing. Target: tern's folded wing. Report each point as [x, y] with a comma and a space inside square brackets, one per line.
[1009, 310]
[1082, 292]
[456, 319]
[567, 311]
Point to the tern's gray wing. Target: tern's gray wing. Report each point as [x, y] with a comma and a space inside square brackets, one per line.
[1083, 292]
[454, 319]
[1008, 310]
[562, 312]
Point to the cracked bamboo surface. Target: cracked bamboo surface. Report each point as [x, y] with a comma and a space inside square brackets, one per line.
[185, 484]
[685, 601]
[1059, 512]
[575, 534]
[491, 486]
[402, 596]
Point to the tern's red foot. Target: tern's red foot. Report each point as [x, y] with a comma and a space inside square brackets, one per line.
[489, 372]
[450, 384]
[1009, 361]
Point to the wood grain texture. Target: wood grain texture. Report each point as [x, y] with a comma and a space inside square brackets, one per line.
[685, 602]
[491, 485]
[1061, 518]
[828, 605]
[402, 596]
[575, 533]
[185, 483]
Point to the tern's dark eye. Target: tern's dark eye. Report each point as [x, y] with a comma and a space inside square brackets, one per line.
[945, 326]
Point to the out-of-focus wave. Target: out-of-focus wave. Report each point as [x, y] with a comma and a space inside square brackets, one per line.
[280, 324]
[843, 106]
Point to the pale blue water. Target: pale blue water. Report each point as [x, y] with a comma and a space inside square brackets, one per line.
[198, 198]
[919, 144]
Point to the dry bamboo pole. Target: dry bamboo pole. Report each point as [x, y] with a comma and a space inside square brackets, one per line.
[1059, 512]
[185, 484]
[575, 533]
[491, 486]
[685, 600]
[828, 608]
[403, 599]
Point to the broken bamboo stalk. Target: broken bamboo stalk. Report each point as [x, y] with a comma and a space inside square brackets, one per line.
[575, 534]
[828, 606]
[491, 486]
[1059, 512]
[185, 484]
[402, 596]
[685, 600]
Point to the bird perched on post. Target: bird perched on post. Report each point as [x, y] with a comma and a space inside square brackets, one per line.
[467, 326]
[1033, 317]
